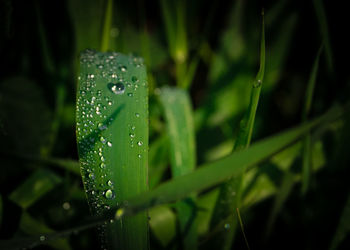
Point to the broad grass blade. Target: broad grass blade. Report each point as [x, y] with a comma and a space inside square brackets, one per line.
[112, 136]
[179, 120]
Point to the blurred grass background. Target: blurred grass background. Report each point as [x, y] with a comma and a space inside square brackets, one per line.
[210, 48]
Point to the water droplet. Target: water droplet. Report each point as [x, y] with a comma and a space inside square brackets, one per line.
[132, 135]
[66, 206]
[140, 143]
[122, 68]
[98, 112]
[130, 94]
[103, 140]
[101, 126]
[109, 144]
[140, 156]
[227, 226]
[102, 158]
[133, 128]
[116, 88]
[119, 213]
[109, 194]
[137, 114]
[134, 79]
[92, 176]
[109, 103]
[42, 238]
[110, 183]
[102, 165]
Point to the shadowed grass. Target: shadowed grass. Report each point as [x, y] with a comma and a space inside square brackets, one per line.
[179, 120]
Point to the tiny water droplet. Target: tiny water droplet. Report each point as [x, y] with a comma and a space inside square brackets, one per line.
[137, 114]
[92, 176]
[130, 94]
[110, 183]
[102, 158]
[66, 206]
[140, 143]
[109, 103]
[109, 144]
[134, 79]
[227, 226]
[140, 156]
[109, 194]
[132, 135]
[42, 238]
[116, 88]
[122, 68]
[101, 126]
[103, 140]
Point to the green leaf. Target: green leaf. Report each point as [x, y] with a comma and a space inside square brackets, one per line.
[179, 120]
[213, 173]
[307, 140]
[112, 136]
[158, 160]
[35, 187]
[230, 193]
[87, 16]
[163, 224]
[323, 25]
[107, 25]
[343, 228]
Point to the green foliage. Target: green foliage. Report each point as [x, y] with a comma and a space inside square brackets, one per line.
[198, 102]
[180, 128]
[112, 136]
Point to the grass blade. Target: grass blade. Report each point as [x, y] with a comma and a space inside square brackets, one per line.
[211, 174]
[307, 140]
[36, 186]
[178, 113]
[112, 136]
[322, 21]
[242, 228]
[107, 26]
[231, 192]
[343, 228]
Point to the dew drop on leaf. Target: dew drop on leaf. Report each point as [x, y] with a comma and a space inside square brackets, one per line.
[123, 68]
[116, 88]
[134, 79]
[109, 194]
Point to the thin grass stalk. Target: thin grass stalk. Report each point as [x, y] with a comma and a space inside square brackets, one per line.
[231, 192]
[306, 154]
